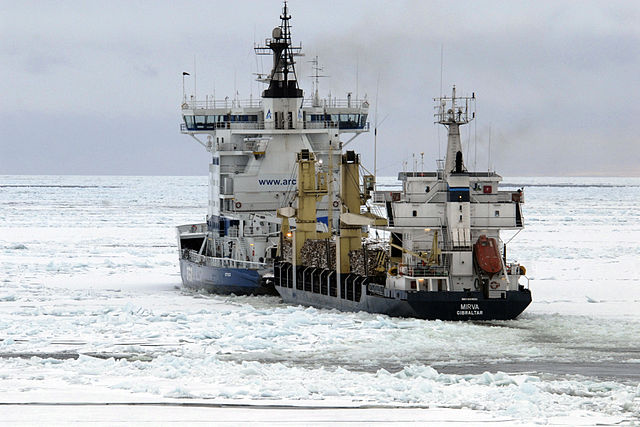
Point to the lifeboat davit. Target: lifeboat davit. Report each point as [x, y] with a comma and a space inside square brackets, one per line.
[487, 255]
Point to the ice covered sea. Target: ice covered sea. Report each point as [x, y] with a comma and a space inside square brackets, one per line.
[91, 311]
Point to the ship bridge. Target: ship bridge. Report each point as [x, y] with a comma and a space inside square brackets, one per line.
[345, 115]
[253, 142]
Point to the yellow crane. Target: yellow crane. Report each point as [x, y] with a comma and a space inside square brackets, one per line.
[431, 258]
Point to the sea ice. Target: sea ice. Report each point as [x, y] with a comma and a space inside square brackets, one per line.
[90, 310]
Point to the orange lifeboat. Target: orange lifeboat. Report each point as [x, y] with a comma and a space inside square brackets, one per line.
[487, 255]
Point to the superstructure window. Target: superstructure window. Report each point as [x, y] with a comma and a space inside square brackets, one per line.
[350, 121]
[215, 121]
[244, 118]
[200, 121]
[457, 194]
[344, 121]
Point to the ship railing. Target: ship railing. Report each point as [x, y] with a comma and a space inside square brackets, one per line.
[220, 262]
[336, 103]
[259, 125]
[419, 270]
[227, 103]
[203, 127]
[454, 248]
[427, 222]
[321, 125]
[200, 127]
[417, 174]
[244, 125]
[210, 104]
[377, 210]
[493, 222]
[514, 268]
[387, 196]
[379, 196]
[343, 125]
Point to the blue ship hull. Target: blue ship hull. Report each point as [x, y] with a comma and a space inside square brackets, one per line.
[222, 280]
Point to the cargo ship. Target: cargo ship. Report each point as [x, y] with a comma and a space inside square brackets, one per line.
[444, 257]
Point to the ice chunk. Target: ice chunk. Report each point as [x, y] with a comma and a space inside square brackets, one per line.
[528, 388]
[179, 392]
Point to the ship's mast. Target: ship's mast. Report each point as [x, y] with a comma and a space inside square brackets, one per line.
[315, 65]
[452, 112]
[282, 80]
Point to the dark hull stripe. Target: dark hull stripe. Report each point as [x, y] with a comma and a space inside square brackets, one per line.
[443, 305]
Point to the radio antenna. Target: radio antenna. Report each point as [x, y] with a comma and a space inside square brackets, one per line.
[317, 69]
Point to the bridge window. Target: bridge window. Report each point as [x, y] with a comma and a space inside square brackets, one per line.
[244, 118]
[344, 121]
[350, 121]
[199, 122]
[216, 120]
[320, 117]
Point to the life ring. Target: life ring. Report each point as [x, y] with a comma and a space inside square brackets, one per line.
[194, 228]
[336, 203]
[476, 284]
[523, 271]
[238, 205]
[494, 285]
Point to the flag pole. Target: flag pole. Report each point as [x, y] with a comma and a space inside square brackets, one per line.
[184, 95]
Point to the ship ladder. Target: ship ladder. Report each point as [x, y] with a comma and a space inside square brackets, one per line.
[242, 243]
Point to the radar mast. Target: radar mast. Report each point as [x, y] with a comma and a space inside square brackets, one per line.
[282, 80]
[452, 112]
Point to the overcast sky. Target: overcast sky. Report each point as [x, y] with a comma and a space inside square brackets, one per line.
[94, 87]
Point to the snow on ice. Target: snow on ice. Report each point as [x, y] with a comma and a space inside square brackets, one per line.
[91, 311]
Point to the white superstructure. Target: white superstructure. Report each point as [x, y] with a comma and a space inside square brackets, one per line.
[447, 212]
[253, 144]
